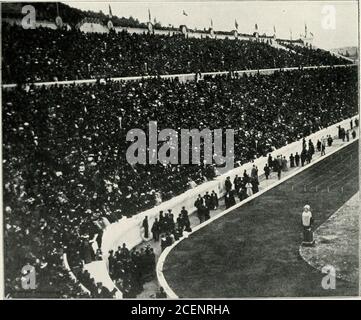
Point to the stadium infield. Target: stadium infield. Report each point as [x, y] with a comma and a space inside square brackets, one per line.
[253, 251]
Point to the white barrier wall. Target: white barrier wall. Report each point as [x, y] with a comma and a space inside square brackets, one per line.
[89, 27]
[38, 23]
[182, 77]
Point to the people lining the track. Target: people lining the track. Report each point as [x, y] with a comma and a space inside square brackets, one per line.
[27, 56]
[130, 269]
[64, 168]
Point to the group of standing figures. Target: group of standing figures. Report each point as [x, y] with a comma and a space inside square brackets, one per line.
[280, 164]
[205, 204]
[166, 229]
[244, 187]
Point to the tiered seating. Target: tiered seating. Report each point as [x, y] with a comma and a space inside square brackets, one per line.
[64, 165]
[46, 55]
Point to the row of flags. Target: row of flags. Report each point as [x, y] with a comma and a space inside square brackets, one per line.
[211, 23]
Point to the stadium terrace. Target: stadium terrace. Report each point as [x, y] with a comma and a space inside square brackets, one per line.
[95, 188]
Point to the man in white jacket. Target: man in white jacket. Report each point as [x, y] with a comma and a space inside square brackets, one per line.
[307, 221]
[306, 217]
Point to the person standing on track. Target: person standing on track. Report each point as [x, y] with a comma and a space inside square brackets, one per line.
[284, 164]
[292, 161]
[199, 204]
[228, 184]
[214, 199]
[329, 140]
[323, 148]
[303, 157]
[297, 159]
[267, 171]
[307, 221]
[145, 225]
[155, 230]
[254, 172]
[353, 134]
[249, 188]
[311, 147]
[270, 161]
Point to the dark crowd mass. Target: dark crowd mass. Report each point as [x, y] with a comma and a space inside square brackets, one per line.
[44, 54]
[65, 171]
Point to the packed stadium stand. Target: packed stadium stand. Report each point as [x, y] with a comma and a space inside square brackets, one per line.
[64, 165]
[82, 145]
[27, 56]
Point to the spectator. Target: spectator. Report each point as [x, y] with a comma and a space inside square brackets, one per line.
[207, 200]
[297, 159]
[323, 149]
[284, 164]
[161, 294]
[249, 188]
[267, 171]
[229, 199]
[292, 161]
[155, 230]
[145, 226]
[228, 184]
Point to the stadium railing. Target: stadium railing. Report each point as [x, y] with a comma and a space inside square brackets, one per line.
[182, 77]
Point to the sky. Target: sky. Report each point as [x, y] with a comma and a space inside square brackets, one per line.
[333, 23]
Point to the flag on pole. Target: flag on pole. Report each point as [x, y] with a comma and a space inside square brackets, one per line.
[110, 12]
[256, 27]
[236, 24]
[211, 23]
[149, 16]
[305, 30]
[185, 13]
[274, 29]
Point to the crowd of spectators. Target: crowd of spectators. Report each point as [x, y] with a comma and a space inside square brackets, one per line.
[64, 165]
[130, 269]
[44, 54]
[309, 53]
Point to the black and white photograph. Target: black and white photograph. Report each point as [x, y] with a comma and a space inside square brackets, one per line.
[180, 150]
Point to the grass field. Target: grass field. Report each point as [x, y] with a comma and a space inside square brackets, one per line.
[253, 251]
[337, 242]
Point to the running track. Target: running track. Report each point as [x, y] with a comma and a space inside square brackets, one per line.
[253, 250]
